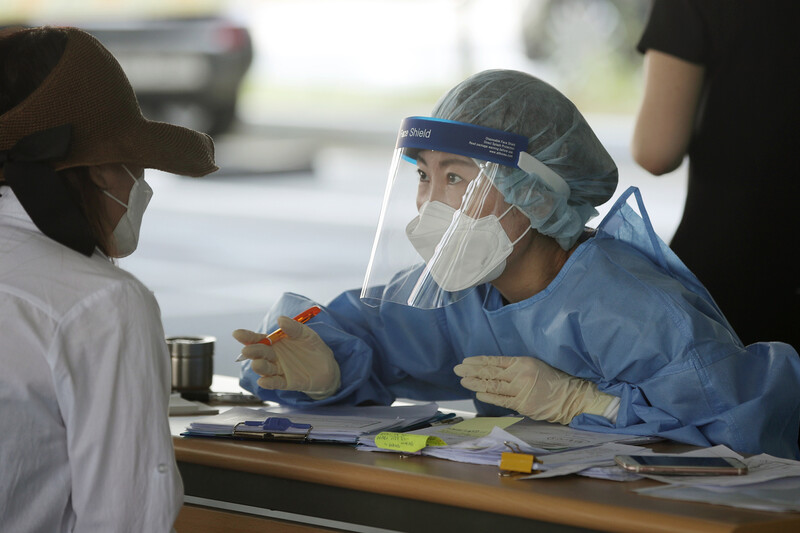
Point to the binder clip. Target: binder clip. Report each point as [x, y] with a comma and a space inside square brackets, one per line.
[516, 462]
[272, 428]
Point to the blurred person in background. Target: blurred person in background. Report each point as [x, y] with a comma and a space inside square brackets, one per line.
[718, 88]
[485, 283]
[84, 388]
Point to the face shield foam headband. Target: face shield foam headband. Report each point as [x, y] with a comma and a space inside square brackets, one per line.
[451, 163]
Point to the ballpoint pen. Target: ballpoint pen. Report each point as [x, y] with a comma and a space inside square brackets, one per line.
[278, 334]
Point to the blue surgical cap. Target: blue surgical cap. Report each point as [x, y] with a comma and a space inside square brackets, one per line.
[558, 136]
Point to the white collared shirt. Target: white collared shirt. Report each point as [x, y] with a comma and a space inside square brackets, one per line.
[85, 443]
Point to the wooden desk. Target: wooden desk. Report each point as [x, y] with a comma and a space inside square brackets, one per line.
[355, 490]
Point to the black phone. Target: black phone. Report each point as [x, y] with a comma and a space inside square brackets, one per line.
[682, 465]
[234, 398]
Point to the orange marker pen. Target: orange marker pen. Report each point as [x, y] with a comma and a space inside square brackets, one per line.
[278, 334]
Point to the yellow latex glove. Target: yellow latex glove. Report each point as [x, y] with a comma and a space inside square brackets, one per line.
[301, 361]
[531, 388]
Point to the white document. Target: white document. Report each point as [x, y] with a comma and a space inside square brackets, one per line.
[483, 450]
[771, 484]
[760, 468]
[556, 437]
[595, 461]
[536, 437]
[179, 406]
[774, 495]
[524, 436]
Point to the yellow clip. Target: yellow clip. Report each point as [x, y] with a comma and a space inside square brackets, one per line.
[516, 461]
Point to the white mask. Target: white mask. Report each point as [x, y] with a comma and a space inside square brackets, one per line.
[126, 234]
[475, 251]
[428, 228]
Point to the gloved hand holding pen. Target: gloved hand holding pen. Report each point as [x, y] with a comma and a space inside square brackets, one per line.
[533, 388]
[301, 361]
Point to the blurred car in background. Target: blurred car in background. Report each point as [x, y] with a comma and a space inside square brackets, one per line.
[185, 60]
[185, 71]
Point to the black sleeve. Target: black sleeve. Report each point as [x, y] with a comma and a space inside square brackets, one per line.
[676, 27]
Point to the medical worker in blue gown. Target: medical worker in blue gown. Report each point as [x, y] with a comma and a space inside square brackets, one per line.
[485, 283]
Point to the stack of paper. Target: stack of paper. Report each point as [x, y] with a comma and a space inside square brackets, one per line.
[482, 440]
[771, 483]
[331, 424]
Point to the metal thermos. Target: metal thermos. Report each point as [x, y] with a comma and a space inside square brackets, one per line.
[192, 363]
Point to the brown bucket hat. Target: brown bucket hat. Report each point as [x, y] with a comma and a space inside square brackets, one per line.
[88, 90]
[85, 113]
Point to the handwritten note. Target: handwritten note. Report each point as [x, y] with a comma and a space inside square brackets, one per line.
[406, 442]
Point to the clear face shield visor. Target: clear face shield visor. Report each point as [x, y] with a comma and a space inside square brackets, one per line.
[445, 227]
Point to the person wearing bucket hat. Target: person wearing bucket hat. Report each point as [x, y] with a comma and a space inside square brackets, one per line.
[485, 283]
[85, 378]
[84, 115]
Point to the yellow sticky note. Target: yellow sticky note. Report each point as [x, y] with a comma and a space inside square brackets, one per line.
[480, 426]
[404, 442]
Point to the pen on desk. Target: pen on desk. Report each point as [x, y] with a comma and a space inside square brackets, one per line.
[447, 421]
[278, 334]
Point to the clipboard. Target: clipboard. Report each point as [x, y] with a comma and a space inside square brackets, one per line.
[272, 428]
[328, 424]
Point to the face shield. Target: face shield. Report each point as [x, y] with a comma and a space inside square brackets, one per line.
[444, 227]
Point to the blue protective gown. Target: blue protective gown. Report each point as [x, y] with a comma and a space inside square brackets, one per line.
[623, 312]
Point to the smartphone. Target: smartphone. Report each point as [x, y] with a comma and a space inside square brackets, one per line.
[682, 465]
[234, 398]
